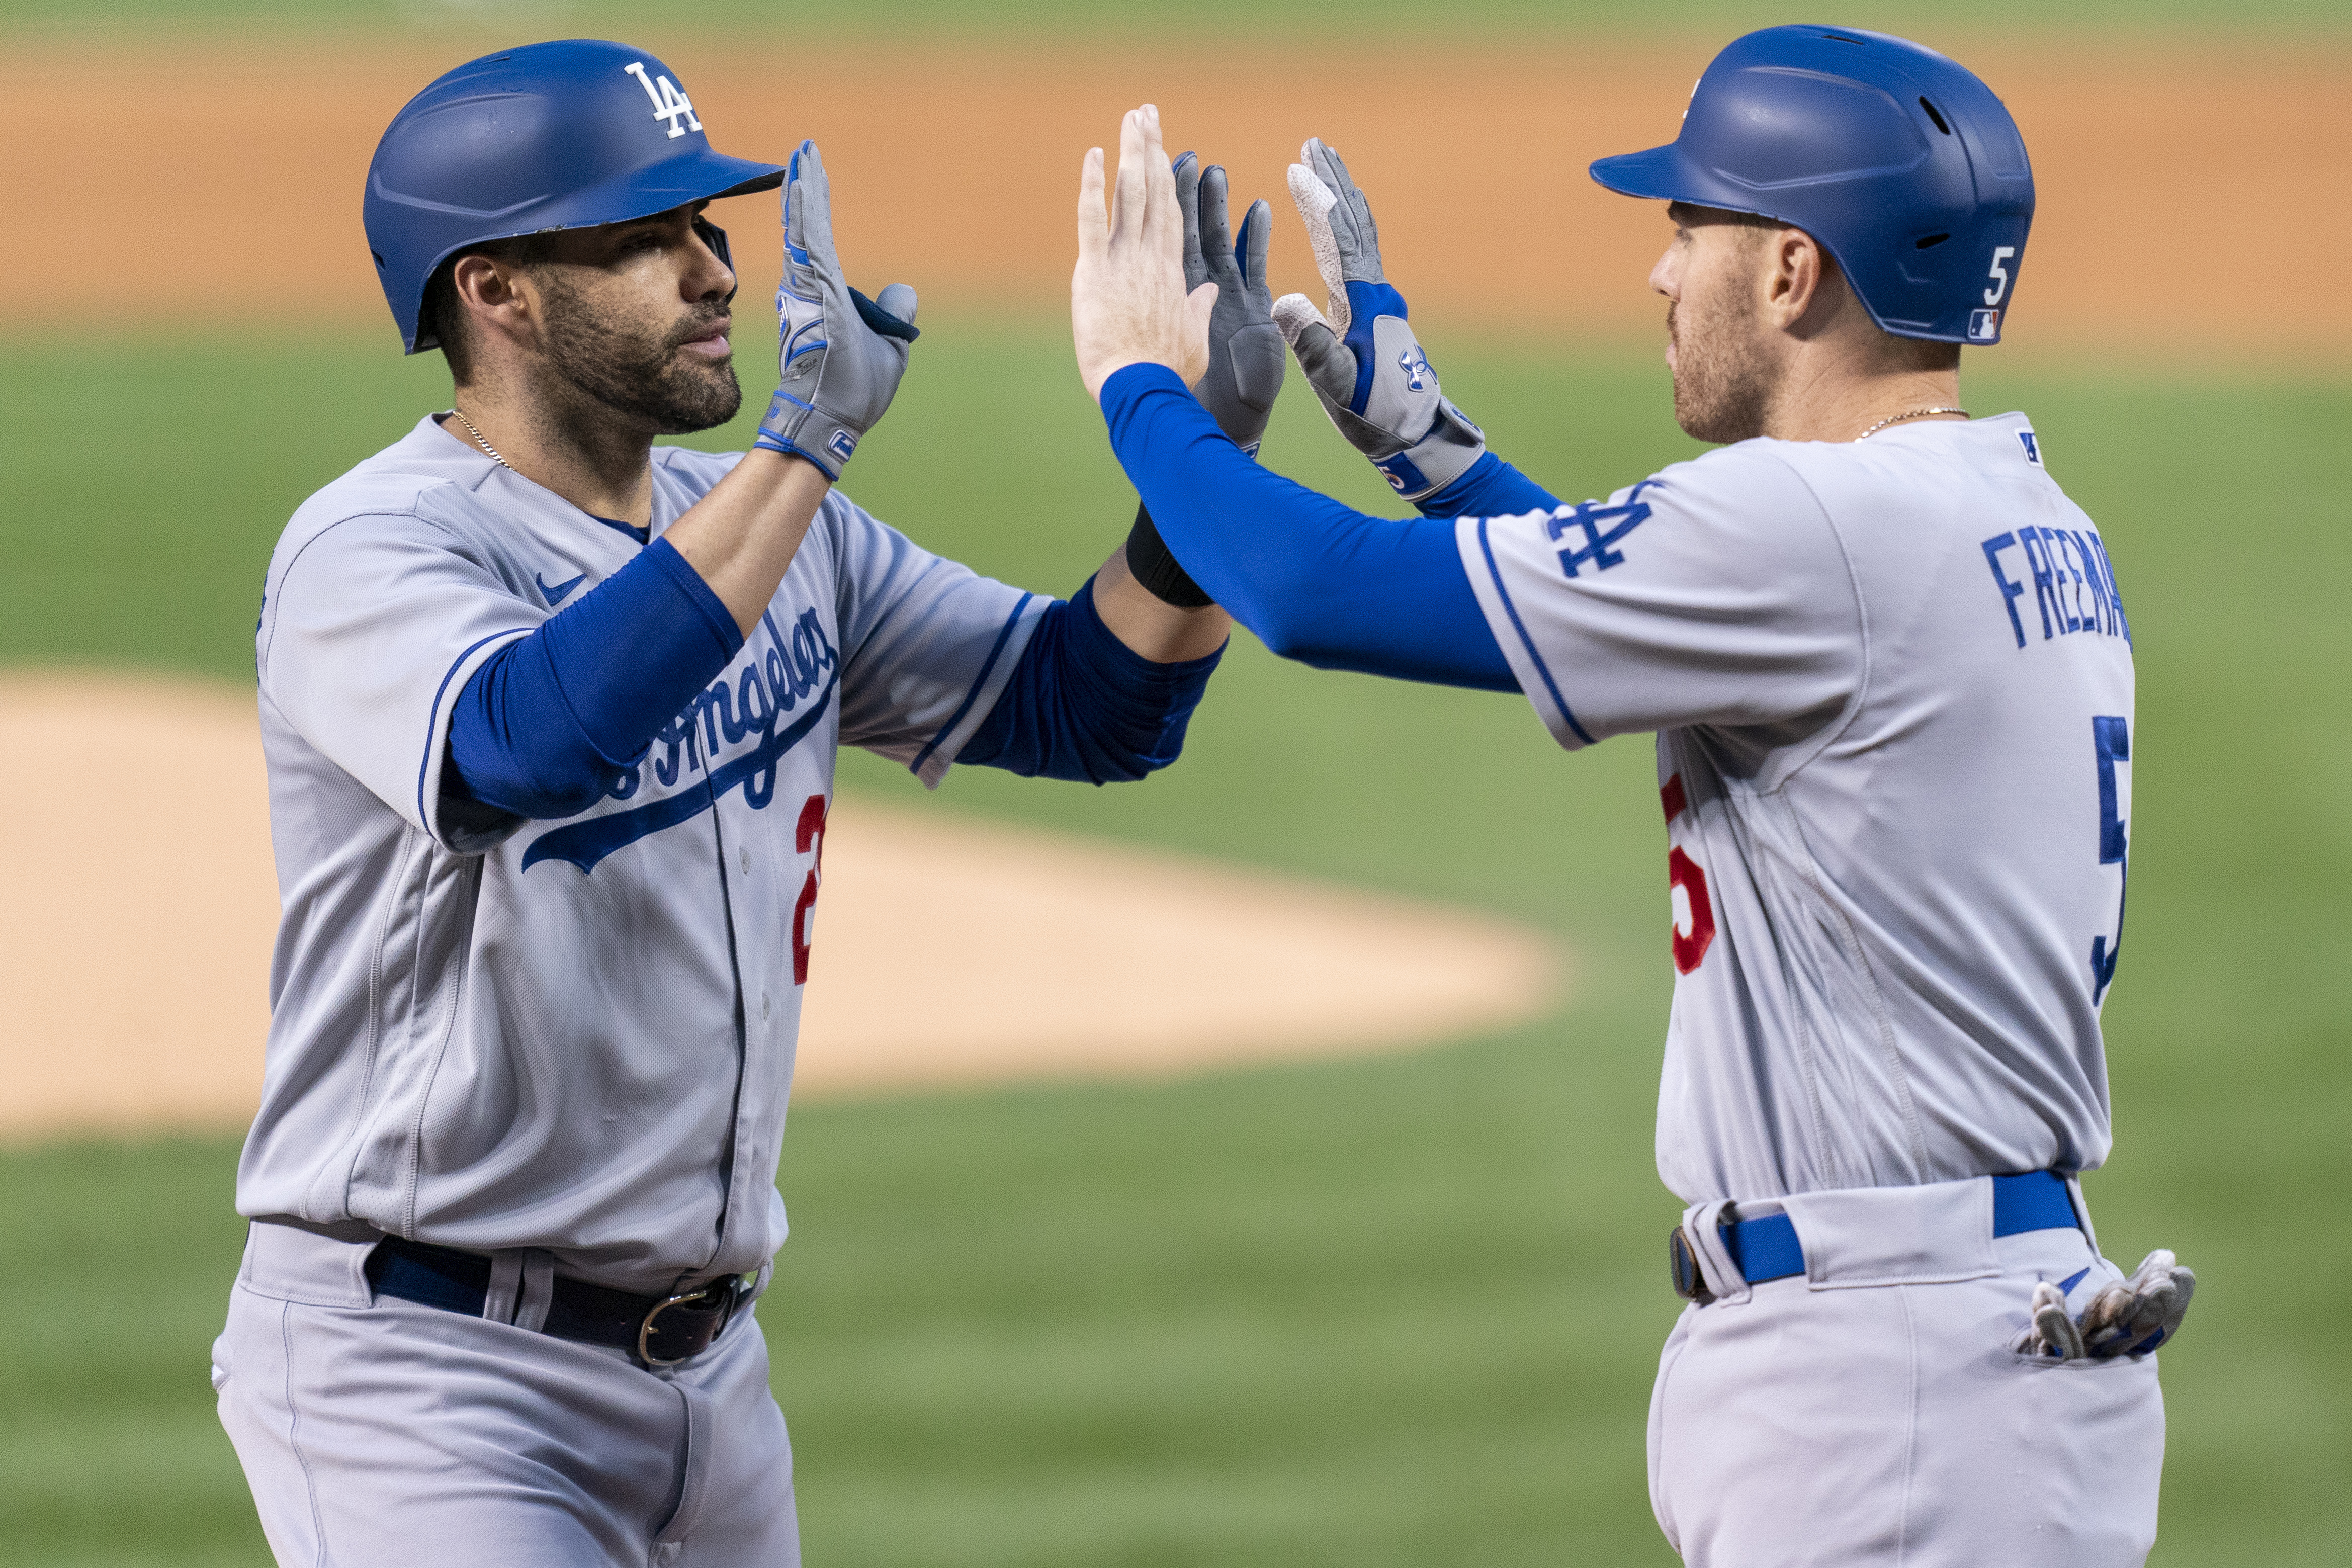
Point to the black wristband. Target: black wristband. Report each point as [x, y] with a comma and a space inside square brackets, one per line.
[1148, 559]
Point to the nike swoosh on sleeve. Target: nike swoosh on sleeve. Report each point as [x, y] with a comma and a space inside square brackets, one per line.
[557, 592]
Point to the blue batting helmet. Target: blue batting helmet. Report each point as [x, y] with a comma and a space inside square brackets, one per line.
[1900, 162]
[564, 135]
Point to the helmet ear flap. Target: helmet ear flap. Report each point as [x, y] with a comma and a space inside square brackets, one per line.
[711, 235]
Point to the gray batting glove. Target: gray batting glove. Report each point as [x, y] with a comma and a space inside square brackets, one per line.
[1363, 360]
[1245, 357]
[842, 353]
[2130, 1318]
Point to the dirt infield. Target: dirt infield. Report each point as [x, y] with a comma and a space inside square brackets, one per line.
[2182, 199]
[134, 939]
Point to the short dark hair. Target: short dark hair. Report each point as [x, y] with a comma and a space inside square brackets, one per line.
[445, 320]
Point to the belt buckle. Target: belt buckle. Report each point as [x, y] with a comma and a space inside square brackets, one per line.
[729, 1293]
[1683, 1266]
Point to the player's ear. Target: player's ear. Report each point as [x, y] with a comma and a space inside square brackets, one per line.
[492, 293]
[478, 280]
[1797, 277]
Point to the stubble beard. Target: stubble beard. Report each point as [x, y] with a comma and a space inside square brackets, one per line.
[1723, 380]
[636, 374]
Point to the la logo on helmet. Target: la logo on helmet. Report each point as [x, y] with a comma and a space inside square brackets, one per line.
[668, 102]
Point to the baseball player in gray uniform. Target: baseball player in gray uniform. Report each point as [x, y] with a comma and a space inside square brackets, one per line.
[551, 715]
[1889, 670]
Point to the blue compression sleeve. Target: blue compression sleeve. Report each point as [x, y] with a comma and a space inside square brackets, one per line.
[1082, 705]
[1491, 488]
[1315, 580]
[545, 726]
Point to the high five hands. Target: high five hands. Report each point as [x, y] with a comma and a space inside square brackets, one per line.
[1129, 304]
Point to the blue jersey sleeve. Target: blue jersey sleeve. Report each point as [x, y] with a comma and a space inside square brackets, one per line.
[546, 725]
[1315, 580]
[1489, 488]
[1082, 705]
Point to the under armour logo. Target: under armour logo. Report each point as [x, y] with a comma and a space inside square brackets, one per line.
[668, 102]
[1415, 366]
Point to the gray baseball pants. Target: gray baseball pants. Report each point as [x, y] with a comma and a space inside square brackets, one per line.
[383, 1434]
[1872, 1412]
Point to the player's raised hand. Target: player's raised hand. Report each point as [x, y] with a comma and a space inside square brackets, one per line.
[1129, 300]
[841, 353]
[1245, 354]
[1361, 358]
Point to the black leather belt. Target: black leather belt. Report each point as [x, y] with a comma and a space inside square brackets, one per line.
[659, 1330]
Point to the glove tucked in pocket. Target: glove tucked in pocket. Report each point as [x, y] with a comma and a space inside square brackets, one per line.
[2127, 1318]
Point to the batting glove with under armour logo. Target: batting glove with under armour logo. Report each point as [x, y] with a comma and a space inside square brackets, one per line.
[2129, 1319]
[841, 353]
[1363, 360]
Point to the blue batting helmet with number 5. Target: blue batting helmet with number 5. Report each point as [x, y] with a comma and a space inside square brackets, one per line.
[1901, 163]
[569, 134]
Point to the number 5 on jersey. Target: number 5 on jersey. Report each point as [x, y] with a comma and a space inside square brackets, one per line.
[1693, 926]
[2111, 740]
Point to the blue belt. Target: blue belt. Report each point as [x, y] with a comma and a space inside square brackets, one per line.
[1767, 1247]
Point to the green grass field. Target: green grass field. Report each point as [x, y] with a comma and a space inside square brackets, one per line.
[1391, 1312]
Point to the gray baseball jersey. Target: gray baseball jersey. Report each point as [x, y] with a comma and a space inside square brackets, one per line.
[491, 1033]
[1891, 685]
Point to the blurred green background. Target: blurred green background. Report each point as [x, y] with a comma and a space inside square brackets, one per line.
[1398, 1310]
[1387, 1312]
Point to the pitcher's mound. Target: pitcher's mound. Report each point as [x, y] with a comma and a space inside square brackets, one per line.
[140, 903]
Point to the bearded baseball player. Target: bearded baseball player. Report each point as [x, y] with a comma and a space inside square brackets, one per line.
[1890, 675]
[551, 714]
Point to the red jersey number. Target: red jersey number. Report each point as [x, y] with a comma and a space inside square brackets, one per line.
[1694, 911]
[810, 831]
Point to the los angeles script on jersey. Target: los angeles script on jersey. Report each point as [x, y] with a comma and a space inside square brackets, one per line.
[734, 733]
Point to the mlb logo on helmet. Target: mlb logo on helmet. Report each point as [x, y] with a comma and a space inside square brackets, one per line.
[1984, 326]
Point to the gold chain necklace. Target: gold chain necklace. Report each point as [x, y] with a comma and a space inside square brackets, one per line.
[493, 451]
[1897, 419]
